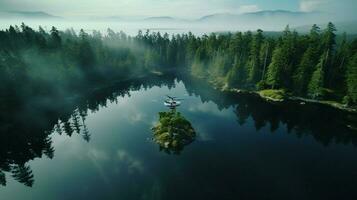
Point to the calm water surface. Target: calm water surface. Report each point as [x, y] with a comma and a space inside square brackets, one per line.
[102, 148]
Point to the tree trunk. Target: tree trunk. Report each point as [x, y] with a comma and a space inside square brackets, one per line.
[265, 62]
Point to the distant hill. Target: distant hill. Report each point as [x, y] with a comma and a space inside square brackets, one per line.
[160, 18]
[266, 19]
[260, 14]
[277, 13]
[26, 14]
[164, 19]
[218, 16]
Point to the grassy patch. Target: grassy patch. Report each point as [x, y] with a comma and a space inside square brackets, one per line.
[274, 95]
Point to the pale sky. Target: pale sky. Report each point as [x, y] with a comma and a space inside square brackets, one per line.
[177, 8]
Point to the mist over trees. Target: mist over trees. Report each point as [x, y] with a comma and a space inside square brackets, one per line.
[317, 65]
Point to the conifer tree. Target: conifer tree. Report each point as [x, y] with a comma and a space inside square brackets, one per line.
[306, 67]
[328, 47]
[55, 38]
[274, 73]
[340, 61]
[315, 87]
[352, 80]
[254, 64]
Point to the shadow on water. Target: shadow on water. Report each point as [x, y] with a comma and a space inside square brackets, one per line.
[173, 132]
[26, 128]
[326, 124]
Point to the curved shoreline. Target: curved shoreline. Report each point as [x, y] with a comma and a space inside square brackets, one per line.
[292, 98]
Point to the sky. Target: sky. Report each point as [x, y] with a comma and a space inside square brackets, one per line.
[176, 8]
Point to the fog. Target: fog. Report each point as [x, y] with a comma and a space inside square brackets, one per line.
[265, 20]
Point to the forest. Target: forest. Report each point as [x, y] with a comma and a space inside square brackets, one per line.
[320, 65]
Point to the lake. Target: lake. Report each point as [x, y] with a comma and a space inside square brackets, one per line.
[100, 146]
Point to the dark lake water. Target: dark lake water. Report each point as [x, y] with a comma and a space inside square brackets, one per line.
[100, 146]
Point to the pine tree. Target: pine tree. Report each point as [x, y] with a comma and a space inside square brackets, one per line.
[231, 78]
[199, 63]
[308, 62]
[339, 64]
[315, 87]
[329, 37]
[254, 65]
[56, 40]
[315, 34]
[237, 75]
[304, 72]
[265, 57]
[283, 61]
[352, 80]
[328, 47]
[274, 74]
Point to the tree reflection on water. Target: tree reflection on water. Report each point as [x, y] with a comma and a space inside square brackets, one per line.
[28, 124]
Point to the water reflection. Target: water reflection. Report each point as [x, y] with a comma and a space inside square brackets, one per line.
[75, 124]
[326, 124]
[173, 132]
[26, 125]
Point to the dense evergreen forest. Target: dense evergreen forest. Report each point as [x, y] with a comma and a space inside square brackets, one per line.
[315, 65]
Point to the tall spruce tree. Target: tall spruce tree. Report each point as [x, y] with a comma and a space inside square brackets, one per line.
[236, 76]
[56, 40]
[266, 51]
[274, 74]
[281, 67]
[328, 47]
[316, 85]
[306, 67]
[352, 80]
[254, 64]
[339, 65]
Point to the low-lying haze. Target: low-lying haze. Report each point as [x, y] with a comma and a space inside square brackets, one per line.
[175, 16]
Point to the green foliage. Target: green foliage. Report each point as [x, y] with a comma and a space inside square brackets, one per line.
[277, 95]
[151, 59]
[328, 43]
[352, 80]
[304, 71]
[261, 85]
[247, 60]
[55, 38]
[274, 74]
[254, 63]
[306, 66]
[315, 88]
[232, 78]
[173, 131]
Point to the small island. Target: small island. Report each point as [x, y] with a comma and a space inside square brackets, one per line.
[173, 132]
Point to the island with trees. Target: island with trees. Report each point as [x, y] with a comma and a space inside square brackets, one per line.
[173, 132]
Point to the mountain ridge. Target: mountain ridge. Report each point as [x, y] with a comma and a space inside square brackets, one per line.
[27, 14]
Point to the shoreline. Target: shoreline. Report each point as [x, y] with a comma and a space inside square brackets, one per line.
[297, 99]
